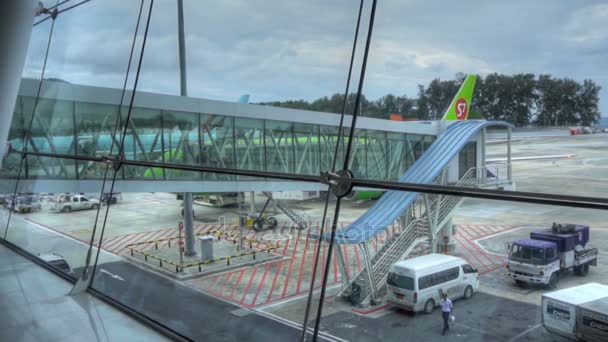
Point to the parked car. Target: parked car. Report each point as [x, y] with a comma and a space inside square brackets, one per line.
[26, 203]
[68, 202]
[8, 199]
[113, 199]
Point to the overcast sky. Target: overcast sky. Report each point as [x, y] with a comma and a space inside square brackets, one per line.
[288, 49]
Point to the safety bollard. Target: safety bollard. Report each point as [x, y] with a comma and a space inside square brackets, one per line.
[156, 244]
[253, 255]
[131, 251]
[169, 242]
[146, 257]
[228, 261]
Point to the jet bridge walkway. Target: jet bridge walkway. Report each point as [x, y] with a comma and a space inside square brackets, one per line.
[394, 205]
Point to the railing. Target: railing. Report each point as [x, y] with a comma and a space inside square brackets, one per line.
[269, 246]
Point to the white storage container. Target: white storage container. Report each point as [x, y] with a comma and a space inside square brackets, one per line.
[559, 308]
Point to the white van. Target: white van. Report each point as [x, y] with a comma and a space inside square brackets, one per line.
[416, 284]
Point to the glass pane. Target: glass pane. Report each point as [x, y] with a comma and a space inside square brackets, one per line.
[53, 219]
[218, 147]
[269, 272]
[307, 149]
[404, 249]
[249, 143]
[280, 146]
[96, 124]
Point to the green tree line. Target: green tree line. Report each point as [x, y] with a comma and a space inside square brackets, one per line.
[521, 99]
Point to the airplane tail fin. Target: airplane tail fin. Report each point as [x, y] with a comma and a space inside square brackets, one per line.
[461, 104]
[244, 98]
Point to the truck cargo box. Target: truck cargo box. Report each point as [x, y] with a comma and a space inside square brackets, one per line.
[565, 241]
[592, 321]
[559, 307]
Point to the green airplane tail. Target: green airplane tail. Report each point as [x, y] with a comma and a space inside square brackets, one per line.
[461, 104]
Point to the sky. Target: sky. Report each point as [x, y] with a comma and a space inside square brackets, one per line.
[279, 50]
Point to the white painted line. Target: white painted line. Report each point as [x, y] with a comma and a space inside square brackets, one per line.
[524, 332]
[555, 156]
[483, 332]
[293, 298]
[500, 233]
[299, 326]
[56, 232]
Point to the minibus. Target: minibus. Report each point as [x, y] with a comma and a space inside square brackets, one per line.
[416, 284]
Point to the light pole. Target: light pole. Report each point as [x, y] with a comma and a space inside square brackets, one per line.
[188, 217]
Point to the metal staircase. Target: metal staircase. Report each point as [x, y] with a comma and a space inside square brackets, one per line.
[365, 287]
[288, 210]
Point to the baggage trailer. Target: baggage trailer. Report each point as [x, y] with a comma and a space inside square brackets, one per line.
[592, 321]
[548, 252]
[560, 309]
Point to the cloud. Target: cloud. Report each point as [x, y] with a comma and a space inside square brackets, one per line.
[277, 50]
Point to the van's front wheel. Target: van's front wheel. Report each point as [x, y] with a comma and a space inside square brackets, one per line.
[468, 292]
[429, 306]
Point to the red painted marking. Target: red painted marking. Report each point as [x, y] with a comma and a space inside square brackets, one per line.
[215, 282]
[474, 255]
[484, 230]
[296, 294]
[357, 259]
[466, 234]
[303, 262]
[345, 252]
[236, 284]
[228, 277]
[494, 229]
[293, 257]
[135, 238]
[202, 228]
[251, 277]
[274, 282]
[370, 311]
[484, 253]
[335, 259]
[286, 245]
[315, 253]
[118, 239]
[323, 270]
[260, 285]
[169, 234]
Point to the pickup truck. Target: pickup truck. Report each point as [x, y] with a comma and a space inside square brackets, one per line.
[67, 203]
[549, 252]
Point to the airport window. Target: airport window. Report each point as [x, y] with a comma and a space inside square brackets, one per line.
[231, 182]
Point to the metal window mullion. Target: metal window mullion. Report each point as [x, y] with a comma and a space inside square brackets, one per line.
[162, 144]
[75, 139]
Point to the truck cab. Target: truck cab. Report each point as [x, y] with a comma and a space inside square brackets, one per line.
[533, 261]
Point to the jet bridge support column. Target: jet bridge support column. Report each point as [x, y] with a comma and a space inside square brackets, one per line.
[509, 170]
[16, 18]
[445, 238]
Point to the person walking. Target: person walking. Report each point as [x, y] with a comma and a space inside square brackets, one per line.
[446, 311]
